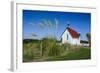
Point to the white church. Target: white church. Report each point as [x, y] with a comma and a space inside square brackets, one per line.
[70, 36]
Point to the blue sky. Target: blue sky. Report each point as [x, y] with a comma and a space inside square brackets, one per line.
[31, 23]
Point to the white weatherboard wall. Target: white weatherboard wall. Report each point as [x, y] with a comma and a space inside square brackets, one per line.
[64, 37]
[74, 41]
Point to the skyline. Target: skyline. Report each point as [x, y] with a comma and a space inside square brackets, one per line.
[81, 22]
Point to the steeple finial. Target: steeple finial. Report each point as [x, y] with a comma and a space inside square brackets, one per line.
[68, 24]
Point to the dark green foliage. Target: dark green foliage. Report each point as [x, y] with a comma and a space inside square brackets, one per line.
[84, 41]
[89, 38]
[30, 41]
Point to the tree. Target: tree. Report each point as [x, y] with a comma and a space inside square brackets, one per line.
[89, 38]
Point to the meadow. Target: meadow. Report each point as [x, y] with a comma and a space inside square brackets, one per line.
[49, 49]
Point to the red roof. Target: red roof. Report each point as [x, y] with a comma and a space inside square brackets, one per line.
[73, 33]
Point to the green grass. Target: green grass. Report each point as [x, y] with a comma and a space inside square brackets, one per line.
[52, 51]
[83, 53]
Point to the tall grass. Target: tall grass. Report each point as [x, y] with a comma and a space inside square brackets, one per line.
[30, 51]
[50, 47]
[46, 47]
